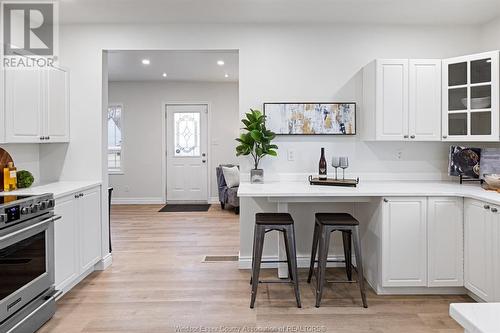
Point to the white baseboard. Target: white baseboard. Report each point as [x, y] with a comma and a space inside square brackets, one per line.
[104, 263]
[213, 200]
[137, 201]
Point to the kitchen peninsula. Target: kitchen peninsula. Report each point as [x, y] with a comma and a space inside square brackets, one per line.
[417, 237]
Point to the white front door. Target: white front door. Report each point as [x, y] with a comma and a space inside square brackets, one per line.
[186, 135]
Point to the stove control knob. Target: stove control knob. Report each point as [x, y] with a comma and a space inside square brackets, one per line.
[51, 203]
[43, 205]
[25, 210]
[3, 218]
[34, 208]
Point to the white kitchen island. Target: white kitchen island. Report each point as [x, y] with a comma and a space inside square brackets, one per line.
[415, 236]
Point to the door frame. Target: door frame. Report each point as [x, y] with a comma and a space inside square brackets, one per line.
[163, 115]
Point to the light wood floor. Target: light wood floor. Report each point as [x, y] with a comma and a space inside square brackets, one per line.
[158, 283]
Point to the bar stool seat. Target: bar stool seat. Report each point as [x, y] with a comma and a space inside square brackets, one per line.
[325, 224]
[273, 218]
[336, 219]
[264, 223]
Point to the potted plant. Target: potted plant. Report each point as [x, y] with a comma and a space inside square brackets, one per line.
[256, 142]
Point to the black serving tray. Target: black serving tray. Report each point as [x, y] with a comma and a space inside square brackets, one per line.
[334, 182]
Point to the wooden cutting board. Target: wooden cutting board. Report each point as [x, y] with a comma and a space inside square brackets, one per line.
[5, 158]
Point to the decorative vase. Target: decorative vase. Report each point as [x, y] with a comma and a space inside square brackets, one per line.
[256, 176]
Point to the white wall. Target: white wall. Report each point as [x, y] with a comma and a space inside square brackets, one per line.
[490, 35]
[277, 63]
[143, 117]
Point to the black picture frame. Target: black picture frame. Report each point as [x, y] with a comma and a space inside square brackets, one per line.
[321, 103]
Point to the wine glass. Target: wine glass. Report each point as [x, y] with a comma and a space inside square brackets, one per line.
[344, 164]
[335, 164]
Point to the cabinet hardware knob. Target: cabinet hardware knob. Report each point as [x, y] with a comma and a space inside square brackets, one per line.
[486, 206]
[412, 137]
[494, 210]
[42, 138]
[385, 200]
[445, 136]
[405, 136]
[47, 138]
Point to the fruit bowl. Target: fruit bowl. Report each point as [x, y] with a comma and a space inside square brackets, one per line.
[493, 180]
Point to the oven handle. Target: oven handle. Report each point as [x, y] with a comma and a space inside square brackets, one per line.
[31, 227]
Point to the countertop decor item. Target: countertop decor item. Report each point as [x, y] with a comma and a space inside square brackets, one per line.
[256, 142]
[24, 179]
[334, 182]
[489, 162]
[311, 118]
[5, 158]
[493, 181]
[464, 163]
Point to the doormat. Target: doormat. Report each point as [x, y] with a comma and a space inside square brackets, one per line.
[220, 258]
[185, 208]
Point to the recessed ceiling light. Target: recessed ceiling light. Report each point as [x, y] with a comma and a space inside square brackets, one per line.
[146, 61]
[164, 75]
[226, 75]
[220, 62]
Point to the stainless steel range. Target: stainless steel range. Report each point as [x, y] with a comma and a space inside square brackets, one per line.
[27, 295]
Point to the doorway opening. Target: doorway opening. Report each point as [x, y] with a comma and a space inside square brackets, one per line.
[177, 120]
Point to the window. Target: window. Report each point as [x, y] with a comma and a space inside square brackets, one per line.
[186, 134]
[115, 138]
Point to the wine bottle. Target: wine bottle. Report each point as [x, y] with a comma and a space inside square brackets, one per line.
[322, 165]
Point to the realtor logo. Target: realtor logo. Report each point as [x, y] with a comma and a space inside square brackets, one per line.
[28, 28]
[29, 33]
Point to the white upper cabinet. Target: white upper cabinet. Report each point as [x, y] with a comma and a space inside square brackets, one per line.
[57, 115]
[425, 100]
[402, 100]
[471, 98]
[23, 105]
[2, 106]
[36, 106]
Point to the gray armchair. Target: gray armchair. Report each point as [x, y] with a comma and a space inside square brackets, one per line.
[227, 195]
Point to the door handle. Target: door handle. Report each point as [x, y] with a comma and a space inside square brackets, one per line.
[204, 161]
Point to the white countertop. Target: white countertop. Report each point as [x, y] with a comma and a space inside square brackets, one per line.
[59, 189]
[477, 317]
[368, 189]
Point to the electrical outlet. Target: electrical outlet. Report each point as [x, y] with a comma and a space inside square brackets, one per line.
[399, 154]
[126, 188]
[290, 154]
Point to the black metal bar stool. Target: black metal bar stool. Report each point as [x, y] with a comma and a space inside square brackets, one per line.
[325, 224]
[264, 223]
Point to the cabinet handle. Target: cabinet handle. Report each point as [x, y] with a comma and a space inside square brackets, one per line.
[494, 210]
[405, 136]
[412, 137]
[445, 136]
[76, 196]
[42, 138]
[47, 138]
[385, 200]
[486, 206]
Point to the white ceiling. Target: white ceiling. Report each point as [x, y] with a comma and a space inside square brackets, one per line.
[179, 66]
[280, 11]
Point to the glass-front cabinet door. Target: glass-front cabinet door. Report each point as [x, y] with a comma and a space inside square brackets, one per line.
[471, 98]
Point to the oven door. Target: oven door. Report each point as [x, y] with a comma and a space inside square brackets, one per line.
[26, 263]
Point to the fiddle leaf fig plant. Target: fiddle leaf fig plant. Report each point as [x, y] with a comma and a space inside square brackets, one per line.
[257, 139]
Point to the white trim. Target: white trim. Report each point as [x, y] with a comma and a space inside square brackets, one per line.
[104, 263]
[163, 118]
[137, 201]
[213, 200]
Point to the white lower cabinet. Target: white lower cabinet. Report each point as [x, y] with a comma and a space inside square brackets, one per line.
[77, 236]
[495, 218]
[404, 242]
[66, 240]
[422, 243]
[445, 225]
[478, 249]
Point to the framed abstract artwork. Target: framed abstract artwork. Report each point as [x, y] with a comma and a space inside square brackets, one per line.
[311, 118]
